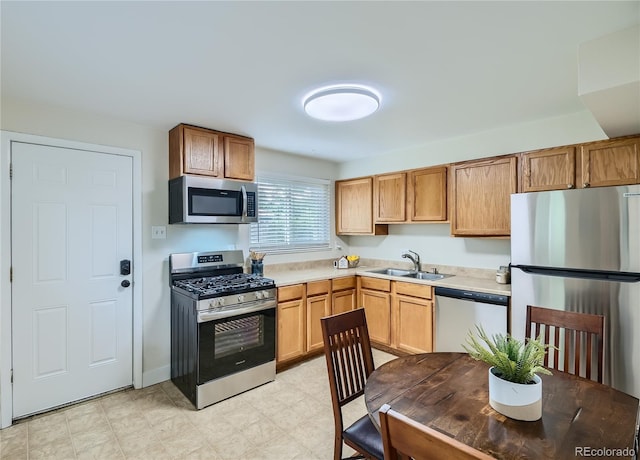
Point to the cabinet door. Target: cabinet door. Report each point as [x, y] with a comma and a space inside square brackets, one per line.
[551, 169]
[390, 197]
[377, 307]
[239, 158]
[354, 200]
[354, 208]
[481, 191]
[342, 301]
[427, 195]
[414, 324]
[291, 330]
[608, 163]
[202, 152]
[317, 307]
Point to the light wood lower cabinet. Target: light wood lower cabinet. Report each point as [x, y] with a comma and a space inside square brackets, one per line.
[343, 294]
[399, 314]
[300, 307]
[374, 295]
[413, 317]
[318, 306]
[291, 322]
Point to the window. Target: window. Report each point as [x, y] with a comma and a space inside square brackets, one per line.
[293, 214]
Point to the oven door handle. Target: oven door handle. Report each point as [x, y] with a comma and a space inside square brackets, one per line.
[249, 307]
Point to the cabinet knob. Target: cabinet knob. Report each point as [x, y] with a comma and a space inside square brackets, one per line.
[569, 185]
[586, 185]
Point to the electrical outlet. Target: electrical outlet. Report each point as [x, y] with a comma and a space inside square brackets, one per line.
[159, 232]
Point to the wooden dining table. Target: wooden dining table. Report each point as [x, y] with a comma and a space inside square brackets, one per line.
[449, 392]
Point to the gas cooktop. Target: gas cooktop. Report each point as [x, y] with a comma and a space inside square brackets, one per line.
[212, 286]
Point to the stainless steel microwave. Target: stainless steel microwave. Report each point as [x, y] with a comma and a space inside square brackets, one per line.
[206, 200]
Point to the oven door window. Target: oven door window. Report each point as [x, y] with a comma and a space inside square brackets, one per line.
[213, 202]
[234, 344]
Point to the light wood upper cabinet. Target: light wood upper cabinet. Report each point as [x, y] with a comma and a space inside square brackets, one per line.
[194, 151]
[427, 195]
[481, 196]
[239, 158]
[390, 197]
[205, 152]
[418, 195]
[608, 163]
[354, 208]
[549, 169]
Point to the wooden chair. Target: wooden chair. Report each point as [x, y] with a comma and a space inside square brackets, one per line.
[350, 362]
[580, 332]
[403, 437]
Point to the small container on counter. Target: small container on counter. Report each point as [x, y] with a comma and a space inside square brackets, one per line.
[503, 275]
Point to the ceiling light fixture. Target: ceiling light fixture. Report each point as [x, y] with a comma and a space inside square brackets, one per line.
[341, 102]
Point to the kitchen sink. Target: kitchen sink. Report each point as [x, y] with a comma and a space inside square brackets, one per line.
[427, 276]
[392, 272]
[410, 274]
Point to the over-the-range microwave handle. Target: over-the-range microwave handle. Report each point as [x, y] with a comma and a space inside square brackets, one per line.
[243, 189]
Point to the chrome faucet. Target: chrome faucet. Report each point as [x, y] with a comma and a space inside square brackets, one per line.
[415, 260]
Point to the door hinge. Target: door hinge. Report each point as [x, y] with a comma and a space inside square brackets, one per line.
[11, 274]
[11, 376]
[10, 171]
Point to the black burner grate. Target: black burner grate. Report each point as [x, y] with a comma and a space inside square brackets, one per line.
[224, 284]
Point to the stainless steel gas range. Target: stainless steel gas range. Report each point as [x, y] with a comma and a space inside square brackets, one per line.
[223, 326]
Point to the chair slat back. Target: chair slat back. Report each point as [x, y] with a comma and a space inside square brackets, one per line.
[575, 335]
[402, 437]
[348, 353]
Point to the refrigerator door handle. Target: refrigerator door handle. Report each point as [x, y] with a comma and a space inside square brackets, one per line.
[623, 277]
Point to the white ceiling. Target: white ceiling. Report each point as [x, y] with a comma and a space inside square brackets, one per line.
[444, 69]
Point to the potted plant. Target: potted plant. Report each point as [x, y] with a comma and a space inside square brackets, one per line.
[515, 389]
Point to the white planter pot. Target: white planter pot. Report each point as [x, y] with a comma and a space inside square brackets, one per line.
[516, 400]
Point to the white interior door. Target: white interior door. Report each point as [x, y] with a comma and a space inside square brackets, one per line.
[71, 225]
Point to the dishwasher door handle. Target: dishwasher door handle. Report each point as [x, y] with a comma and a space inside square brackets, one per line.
[473, 296]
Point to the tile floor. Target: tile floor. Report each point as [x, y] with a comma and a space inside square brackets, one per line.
[290, 418]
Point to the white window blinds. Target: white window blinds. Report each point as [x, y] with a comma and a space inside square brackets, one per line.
[293, 214]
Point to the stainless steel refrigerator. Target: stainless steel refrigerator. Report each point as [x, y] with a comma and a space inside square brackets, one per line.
[579, 250]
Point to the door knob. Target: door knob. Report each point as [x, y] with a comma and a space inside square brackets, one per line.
[125, 283]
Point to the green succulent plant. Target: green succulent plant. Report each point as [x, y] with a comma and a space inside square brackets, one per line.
[512, 359]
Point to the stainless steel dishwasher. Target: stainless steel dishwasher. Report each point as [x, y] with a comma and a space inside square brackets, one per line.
[458, 311]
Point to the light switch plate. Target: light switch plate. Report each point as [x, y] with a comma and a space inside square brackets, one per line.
[159, 232]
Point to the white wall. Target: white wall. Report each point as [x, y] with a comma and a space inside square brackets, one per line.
[432, 241]
[55, 122]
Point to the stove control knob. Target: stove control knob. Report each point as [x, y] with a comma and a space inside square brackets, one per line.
[265, 294]
[241, 298]
[259, 295]
[216, 303]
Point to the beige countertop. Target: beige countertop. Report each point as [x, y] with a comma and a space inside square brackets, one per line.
[462, 278]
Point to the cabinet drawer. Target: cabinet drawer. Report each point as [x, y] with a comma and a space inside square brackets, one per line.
[318, 287]
[413, 289]
[376, 284]
[348, 282]
[295, 291]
